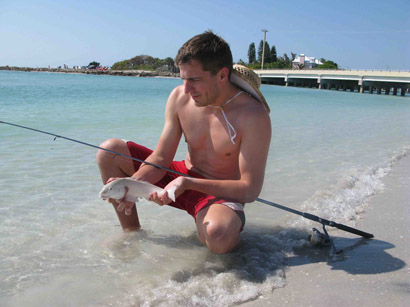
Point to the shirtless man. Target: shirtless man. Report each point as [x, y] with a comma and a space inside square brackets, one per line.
[227, 132]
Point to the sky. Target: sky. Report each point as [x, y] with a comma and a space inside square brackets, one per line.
[355, 34]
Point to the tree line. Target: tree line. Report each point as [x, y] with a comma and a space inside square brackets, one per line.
[146, 62]
[271, 58]
[272, 61]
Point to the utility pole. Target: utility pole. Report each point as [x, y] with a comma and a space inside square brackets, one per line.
[263, 49]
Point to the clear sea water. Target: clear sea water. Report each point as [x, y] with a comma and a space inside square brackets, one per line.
[60, 245]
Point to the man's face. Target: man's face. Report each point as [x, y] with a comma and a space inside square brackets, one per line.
[203, 87]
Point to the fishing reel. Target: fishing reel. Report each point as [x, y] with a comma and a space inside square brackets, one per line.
[316, 238]
[319, 239]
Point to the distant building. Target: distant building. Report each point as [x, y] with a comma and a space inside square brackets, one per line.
[305, 62]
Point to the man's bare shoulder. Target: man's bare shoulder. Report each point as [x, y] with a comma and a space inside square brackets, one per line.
[178, 96]
[253, 111]
[177, 101]
[253, 122]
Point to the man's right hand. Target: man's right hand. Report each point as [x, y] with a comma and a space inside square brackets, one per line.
[121, 204]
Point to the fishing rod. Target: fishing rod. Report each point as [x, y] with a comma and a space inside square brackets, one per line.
[316, 238]
[320, 220]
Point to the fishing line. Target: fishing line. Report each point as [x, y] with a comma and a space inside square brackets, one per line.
[306, 215]
[94, 146]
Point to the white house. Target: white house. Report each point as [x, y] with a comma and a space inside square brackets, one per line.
[305, 62]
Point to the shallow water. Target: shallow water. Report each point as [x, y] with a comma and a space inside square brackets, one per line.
[61, 245]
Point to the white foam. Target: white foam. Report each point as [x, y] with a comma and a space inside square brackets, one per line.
[347, 200]
[217, 280]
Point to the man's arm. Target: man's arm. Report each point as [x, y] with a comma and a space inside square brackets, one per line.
[252, 162]
[167, 145]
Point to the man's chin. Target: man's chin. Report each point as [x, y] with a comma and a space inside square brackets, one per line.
[197, 101]
[199, 104]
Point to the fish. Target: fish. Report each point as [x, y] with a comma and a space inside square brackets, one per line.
[136, 190]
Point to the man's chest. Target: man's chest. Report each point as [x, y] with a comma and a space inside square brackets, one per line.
[208, 132]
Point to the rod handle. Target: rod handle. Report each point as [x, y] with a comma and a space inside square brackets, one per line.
[352, 230]
[337, 225]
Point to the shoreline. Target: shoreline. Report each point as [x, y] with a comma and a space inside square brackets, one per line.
[108, 72]
[371, 272]
[165, 74]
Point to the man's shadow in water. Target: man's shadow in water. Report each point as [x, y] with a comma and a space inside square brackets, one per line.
[263, 252]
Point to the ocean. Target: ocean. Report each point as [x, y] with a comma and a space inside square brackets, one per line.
[61, 245]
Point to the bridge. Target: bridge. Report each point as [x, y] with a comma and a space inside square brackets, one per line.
[370, 81]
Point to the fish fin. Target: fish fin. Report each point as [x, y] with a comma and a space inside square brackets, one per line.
[171, 193]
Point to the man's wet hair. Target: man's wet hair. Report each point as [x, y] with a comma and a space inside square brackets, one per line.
[210, 50]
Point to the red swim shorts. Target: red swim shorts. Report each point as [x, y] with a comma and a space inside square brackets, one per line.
[190, 201]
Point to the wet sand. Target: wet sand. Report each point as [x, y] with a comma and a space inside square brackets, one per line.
[369, 272]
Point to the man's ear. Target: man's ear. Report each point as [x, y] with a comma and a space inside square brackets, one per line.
[224, 74]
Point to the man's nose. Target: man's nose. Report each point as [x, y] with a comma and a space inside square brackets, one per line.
[188, 86]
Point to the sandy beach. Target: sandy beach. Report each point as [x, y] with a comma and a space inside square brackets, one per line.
[369, 272]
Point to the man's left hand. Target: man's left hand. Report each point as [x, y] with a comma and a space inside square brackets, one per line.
[179, 183]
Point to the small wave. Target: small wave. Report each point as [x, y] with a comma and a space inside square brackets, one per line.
[257, 267]
[346, 200]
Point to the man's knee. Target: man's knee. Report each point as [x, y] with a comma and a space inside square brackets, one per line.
[221, 239]
[116, 145]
